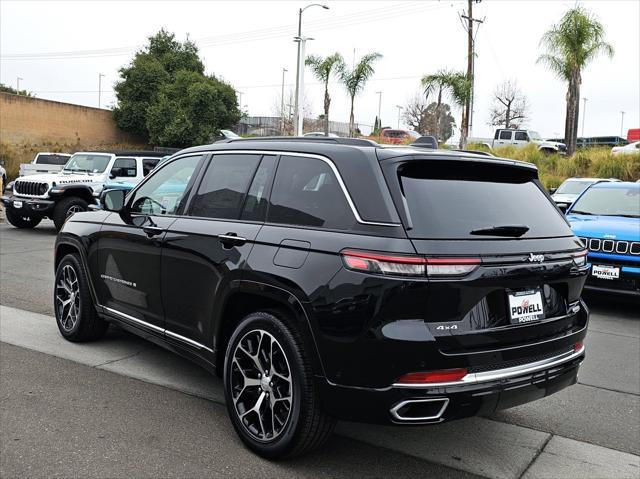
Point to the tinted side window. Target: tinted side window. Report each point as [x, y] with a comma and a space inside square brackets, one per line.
[307, 193]
[521, 136]
[224, 186]
[255, 205]
[505, 135]
[124, 167]
[164, 192]
[149, 164]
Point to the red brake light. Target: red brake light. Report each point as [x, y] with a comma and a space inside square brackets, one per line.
[578, 346]
[405, 265]
[444, 376]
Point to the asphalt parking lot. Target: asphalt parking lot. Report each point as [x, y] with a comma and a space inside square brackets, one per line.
[122, 407]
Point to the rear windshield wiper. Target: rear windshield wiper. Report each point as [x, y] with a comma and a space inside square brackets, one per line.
[503, 230]
[577, 212]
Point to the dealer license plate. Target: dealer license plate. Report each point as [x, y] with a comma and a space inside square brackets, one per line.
[525, 306]
[605, 272]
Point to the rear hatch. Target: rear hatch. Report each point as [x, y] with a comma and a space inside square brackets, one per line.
[525, 269]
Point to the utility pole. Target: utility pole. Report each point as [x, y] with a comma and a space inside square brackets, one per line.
[467, 124]
[300, 40]
[239, 93]
[284, 70]
[584, 114]
[399, 107]
[18, 84]
[379, 110]
[100, 76]
[621, 123]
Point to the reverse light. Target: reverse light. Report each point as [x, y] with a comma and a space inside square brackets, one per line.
[443, 376]
[404, 265]
[580, 259]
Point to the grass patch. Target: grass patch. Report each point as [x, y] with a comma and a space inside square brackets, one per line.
[587, 162]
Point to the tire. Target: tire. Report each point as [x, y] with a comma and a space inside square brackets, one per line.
[299, 424]
[19, 221]
[77, 320]
[66, 207]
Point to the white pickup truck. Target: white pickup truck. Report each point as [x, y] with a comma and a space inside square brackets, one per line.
[31, 198]
[45, 163]
[504, 137]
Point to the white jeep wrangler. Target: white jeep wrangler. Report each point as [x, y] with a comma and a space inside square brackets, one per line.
[30, 199]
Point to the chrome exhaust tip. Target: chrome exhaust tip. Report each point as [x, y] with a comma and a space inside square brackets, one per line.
[419, 410]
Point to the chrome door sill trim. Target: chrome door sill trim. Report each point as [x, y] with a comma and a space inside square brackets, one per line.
[155, 328]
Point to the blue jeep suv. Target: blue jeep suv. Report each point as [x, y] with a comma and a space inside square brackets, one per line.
[606, 217]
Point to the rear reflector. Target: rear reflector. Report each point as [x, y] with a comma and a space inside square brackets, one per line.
[404, 265]
[578, 346]
[444, 376]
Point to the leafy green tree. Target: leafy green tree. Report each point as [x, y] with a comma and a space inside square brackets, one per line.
[571, 45]
[8, 89]
[190, 110]
[355, 80]
[165, 97]
[323, 68]
[452, 83]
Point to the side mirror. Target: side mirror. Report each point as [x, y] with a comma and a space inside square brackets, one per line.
[113, 200]
[552, 190]
[115, 172]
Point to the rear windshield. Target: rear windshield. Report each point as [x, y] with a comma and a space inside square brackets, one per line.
[454, 200]
[52, 159]
[573, 187]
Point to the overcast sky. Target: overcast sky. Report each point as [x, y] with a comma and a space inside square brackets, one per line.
[249, 42]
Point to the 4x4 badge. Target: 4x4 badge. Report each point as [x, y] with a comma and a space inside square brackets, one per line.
[536, 257]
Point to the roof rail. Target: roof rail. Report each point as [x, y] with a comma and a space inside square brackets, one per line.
[307, 139]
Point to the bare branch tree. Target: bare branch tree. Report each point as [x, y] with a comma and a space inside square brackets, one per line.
[510, 107]
[415, 112]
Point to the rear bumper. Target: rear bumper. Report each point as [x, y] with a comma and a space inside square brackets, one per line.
[29, 206]
[481, 393]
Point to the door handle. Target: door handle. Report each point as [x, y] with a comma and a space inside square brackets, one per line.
[152, 230]
[231, 239]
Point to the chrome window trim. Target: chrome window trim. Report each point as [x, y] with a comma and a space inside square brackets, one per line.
[158, 329]
[505, 373]
[333, 167]
[397, 407]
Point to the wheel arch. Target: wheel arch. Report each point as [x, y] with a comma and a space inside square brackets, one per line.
[67, 244]
[80, 191]
[250, 296]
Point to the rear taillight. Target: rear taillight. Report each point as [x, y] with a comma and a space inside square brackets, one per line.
[404, 265]
[395, 265]
[580, 259]
[578, 347]
[443, 376]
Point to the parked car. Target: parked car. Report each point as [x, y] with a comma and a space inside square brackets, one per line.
[606, 217]
[504, 137]
[571, 188]
[79, 184]
[319, 278]
[45, 163]
[398, 136]
[320, 133]
[630, 149]
[3, 176]
[595, 141]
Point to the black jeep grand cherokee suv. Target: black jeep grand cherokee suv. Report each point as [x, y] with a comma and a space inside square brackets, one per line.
[334, 278]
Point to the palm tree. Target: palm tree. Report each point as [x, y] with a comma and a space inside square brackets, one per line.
[323, 68]
[571, 45]
[355, 79]
[452, 83]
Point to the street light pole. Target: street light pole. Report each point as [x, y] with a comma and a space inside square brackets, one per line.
[399, 107]
[621, 122]
[379, 107]
[18, 84]
[100, 75]
[300, 69]
[584, 114]
[284, 70]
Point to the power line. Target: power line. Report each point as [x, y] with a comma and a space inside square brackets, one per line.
[342, 21]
